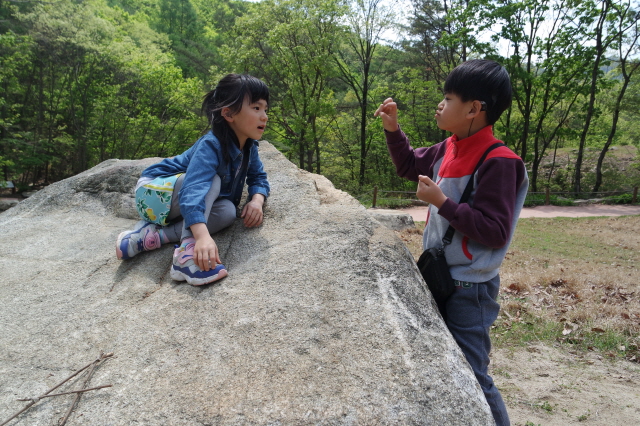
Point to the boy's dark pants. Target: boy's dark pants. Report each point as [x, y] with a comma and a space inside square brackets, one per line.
[470, 312]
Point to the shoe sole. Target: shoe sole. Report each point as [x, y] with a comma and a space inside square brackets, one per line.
[178, 275]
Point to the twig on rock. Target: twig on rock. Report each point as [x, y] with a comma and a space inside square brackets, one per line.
[64, 393]
[35, 400]
[95, 365]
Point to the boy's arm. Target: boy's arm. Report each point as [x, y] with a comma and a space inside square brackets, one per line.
[409, 162]
[490, 219]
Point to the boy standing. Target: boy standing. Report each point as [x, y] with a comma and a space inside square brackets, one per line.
[477, 92]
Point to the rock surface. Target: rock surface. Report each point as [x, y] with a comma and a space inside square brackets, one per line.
[6, 204]
[393, 219]
[322, 320]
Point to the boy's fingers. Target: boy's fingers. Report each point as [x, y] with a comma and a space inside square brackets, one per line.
[384, 106]
[425, 179]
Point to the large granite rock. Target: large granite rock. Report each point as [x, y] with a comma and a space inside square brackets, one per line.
[322, 320]
[393, 219]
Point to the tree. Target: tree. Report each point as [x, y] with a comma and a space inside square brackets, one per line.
[627, 34]
[547, 82]
[90, 69]
[15, 56]
[367, 21]
[438, 36]
[605, 32]
[289, 44]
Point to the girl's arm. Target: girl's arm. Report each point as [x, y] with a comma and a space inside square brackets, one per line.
[202, 167]
[252, 211]
[258, 188]
[257, 182]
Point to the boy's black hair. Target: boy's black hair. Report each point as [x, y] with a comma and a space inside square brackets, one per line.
[231, 92]
[483, 80]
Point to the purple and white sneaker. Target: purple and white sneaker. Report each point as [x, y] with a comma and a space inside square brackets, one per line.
[143, 237]
[184, 268]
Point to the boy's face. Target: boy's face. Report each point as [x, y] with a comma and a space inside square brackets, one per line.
[452, 115]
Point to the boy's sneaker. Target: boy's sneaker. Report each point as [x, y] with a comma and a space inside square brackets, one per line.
[143, 237]
[184, 268]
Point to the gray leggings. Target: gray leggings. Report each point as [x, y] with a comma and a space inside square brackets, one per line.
[220, 213]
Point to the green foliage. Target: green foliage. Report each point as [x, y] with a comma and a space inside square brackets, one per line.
[417, 100]
[84, 82]
[538, 199]
[14, 56]
[619, 199]
[88, 83]
[304, 35]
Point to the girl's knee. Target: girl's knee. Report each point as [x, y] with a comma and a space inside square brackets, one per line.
[228, 213]
[223, 214]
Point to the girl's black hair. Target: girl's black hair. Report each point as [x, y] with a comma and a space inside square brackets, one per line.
[482, 80]
[231, 92]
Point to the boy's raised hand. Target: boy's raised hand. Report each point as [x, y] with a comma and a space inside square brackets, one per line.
[429, 192]
[388, 113]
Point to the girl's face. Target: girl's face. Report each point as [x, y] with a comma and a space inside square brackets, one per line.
[250, 122]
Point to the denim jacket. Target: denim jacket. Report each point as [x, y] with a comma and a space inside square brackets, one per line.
[201, 163]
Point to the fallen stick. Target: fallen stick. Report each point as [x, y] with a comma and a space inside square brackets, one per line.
[64, 393]
[95, 365]
[29, 405]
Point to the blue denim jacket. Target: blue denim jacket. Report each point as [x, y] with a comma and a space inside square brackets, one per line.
[201, 163]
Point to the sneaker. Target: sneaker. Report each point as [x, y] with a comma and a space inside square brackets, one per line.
[184, 268]
[143, 237]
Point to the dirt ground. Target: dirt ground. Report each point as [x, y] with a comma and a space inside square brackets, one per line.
[551, 385]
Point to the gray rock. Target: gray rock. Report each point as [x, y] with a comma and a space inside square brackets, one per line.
[7, 203]
[27, 194]
[393, 219]
[322, 320]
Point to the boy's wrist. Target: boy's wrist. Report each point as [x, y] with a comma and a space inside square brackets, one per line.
[440, 201]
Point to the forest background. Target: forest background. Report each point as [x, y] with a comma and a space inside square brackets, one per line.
[85, 81]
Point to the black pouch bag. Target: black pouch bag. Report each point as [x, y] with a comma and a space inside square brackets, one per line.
[432, 262]
[435, 271]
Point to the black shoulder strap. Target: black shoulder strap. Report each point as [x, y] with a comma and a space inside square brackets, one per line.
[448, 236]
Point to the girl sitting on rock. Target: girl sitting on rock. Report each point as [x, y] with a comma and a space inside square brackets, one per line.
[195, 194]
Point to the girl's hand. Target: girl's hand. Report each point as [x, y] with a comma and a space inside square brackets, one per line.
[252, 211]
[429, 192]
[205, 253]
[388, 113]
